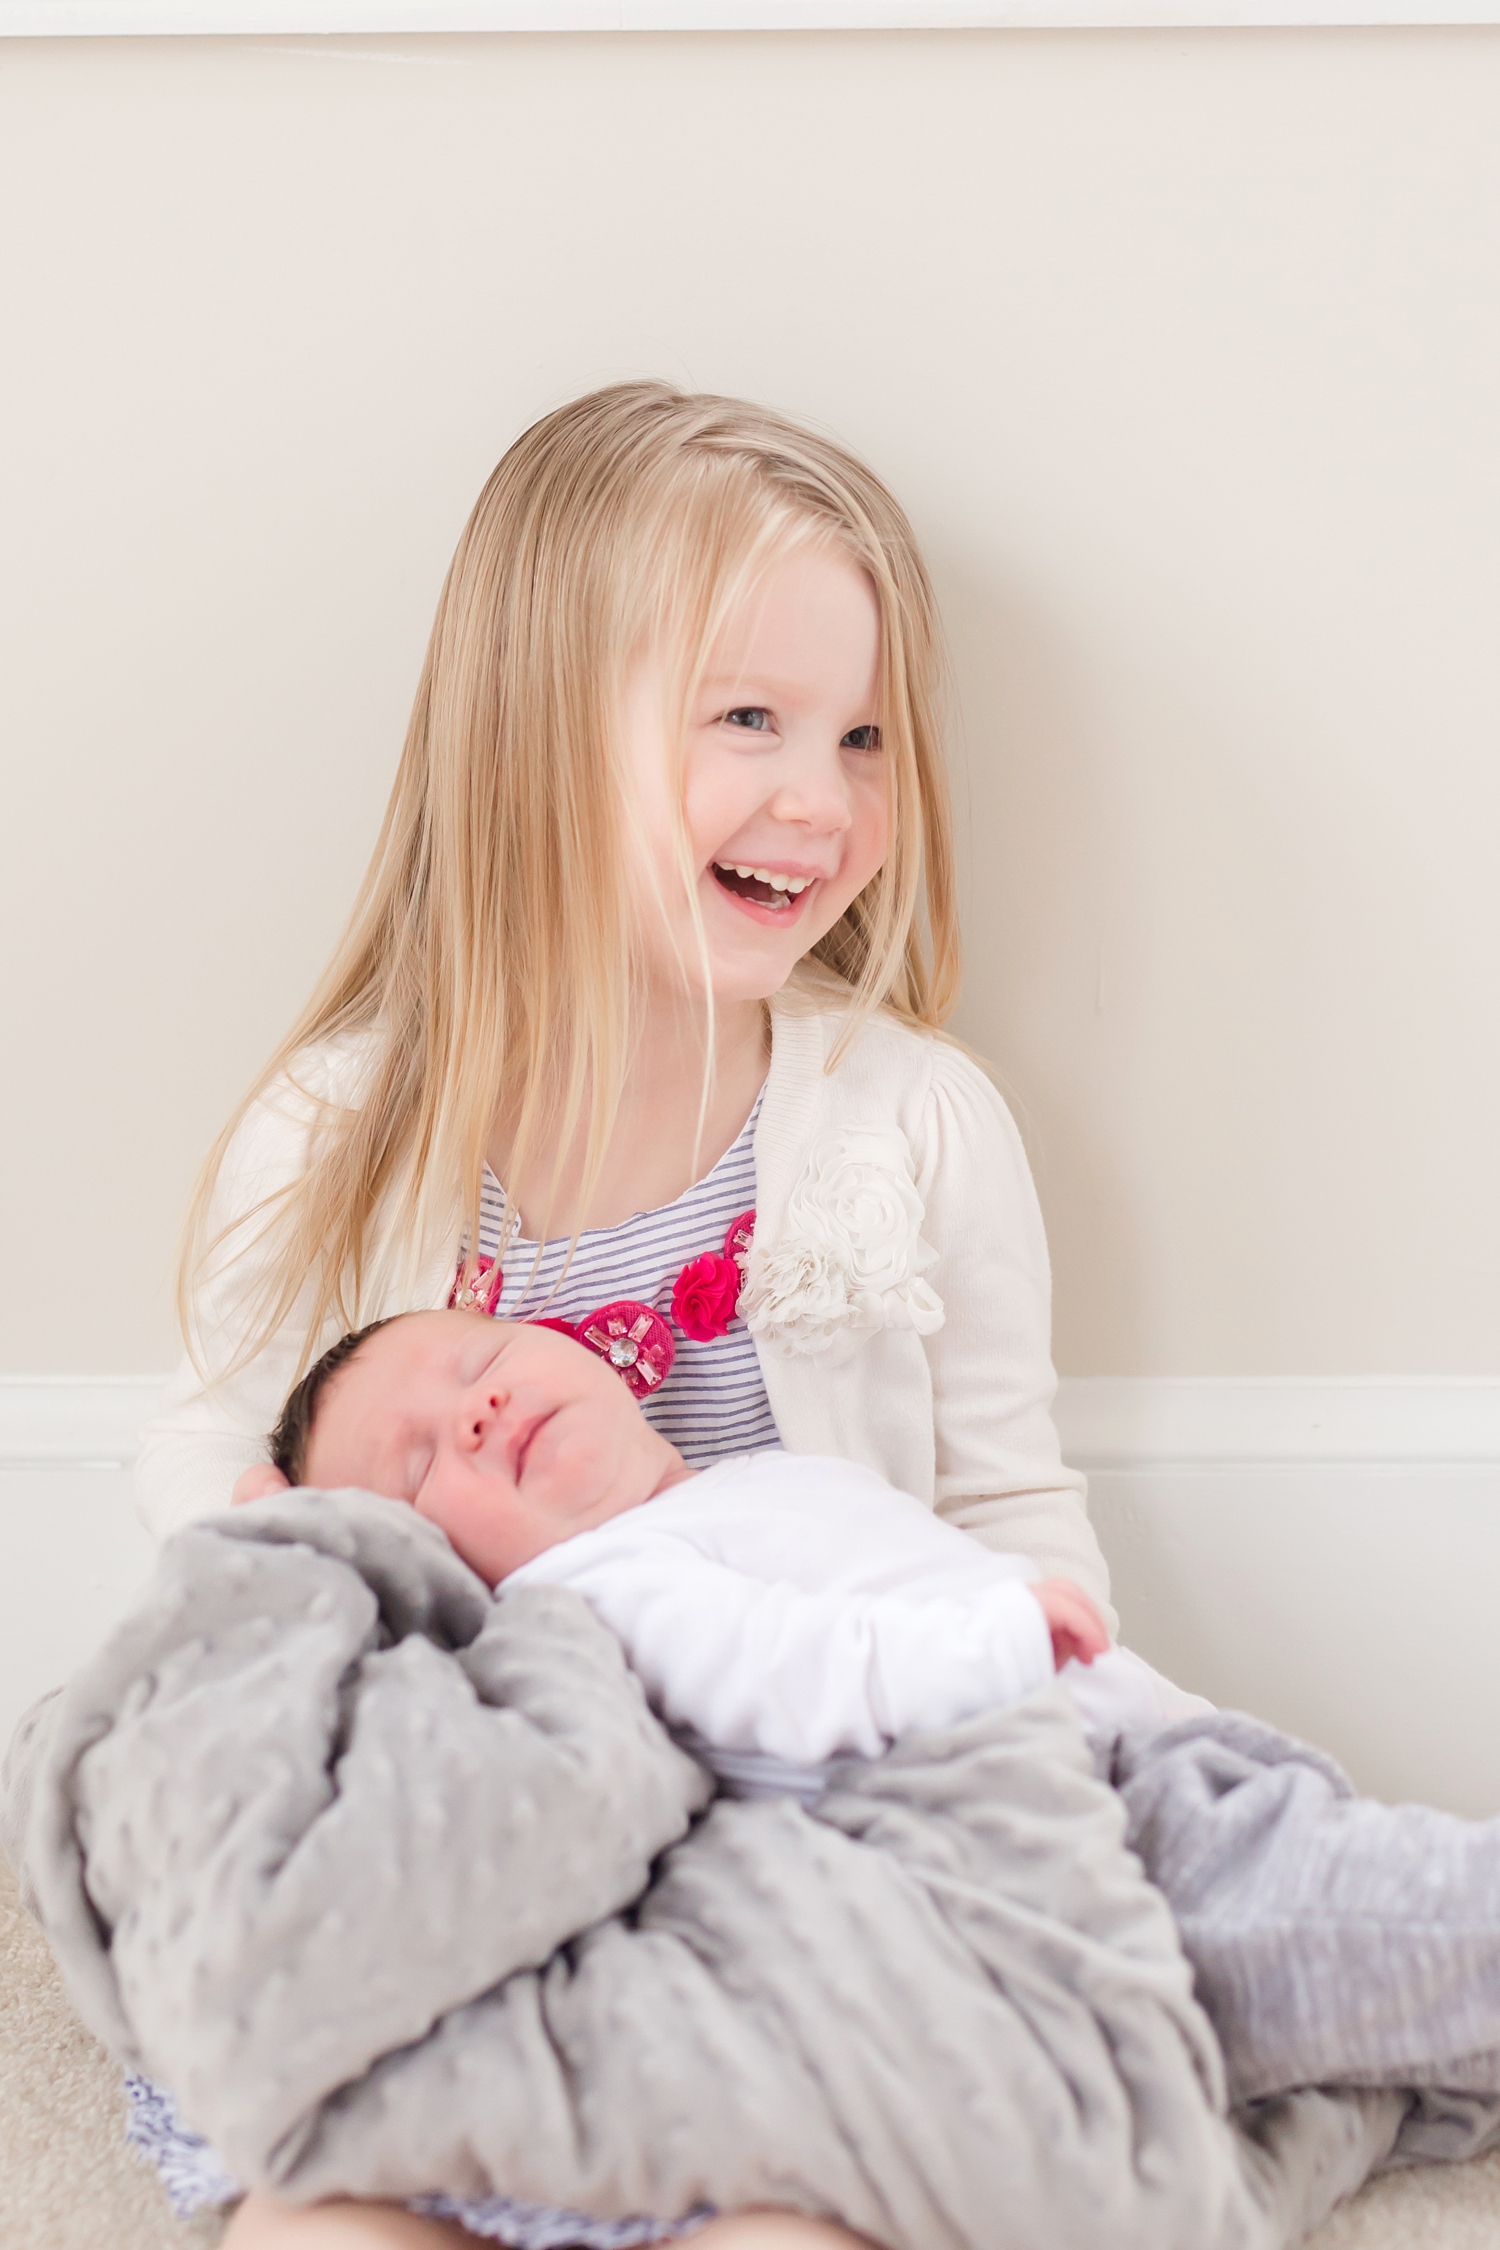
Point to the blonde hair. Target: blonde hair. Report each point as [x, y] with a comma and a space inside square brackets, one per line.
[490, 949]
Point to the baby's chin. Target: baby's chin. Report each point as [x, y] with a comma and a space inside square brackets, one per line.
[620, 1500]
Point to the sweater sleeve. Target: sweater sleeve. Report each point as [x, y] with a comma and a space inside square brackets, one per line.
[216, 1416]
[999, 1469]
[795, 1673]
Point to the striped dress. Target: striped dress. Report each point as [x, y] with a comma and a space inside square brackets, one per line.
[712, 1402]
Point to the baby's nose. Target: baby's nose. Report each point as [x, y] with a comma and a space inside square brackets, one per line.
[481, 1415]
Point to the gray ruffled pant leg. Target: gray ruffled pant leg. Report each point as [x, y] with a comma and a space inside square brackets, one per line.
[1334, 1940]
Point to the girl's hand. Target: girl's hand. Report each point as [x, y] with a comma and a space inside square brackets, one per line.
[257, 1482]
[1076, 1627]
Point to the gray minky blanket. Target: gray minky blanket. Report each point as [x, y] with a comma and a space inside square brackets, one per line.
[403, 1889]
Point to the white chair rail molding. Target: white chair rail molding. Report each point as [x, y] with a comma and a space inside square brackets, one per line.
[1322, 1552]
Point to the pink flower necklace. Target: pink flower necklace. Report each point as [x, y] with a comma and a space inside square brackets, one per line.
[635, 1340]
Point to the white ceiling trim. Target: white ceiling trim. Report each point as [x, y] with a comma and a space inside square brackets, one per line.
[197, 18]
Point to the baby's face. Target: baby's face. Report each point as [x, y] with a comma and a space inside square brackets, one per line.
[508, 1437]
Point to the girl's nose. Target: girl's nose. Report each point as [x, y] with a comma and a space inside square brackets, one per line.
[815, 797]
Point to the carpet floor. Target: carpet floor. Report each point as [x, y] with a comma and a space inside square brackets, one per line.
[69, 2182]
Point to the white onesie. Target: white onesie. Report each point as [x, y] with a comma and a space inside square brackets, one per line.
[783, 1609]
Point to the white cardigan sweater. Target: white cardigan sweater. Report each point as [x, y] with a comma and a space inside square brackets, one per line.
[898, 1288]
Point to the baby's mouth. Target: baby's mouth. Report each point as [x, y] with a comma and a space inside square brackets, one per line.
[524, 1440]
[761, 885]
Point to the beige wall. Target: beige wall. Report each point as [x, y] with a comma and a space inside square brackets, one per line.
[1184, 350]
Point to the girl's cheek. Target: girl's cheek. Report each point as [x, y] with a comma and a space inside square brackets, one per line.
[868, 842]
[712, 814]
[878, 829]
[655, 882]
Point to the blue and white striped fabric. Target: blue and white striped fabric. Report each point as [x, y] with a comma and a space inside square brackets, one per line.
[195, 2180]
[714, 1400]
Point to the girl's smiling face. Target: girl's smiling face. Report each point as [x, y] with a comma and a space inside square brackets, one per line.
[785, 791]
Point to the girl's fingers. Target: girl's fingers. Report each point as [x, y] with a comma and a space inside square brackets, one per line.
[257, 1482]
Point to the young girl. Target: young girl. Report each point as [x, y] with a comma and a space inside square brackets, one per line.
[635, 1025]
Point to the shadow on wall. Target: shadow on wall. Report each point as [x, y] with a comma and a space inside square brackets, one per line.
[1142, 887]
[1045, 882]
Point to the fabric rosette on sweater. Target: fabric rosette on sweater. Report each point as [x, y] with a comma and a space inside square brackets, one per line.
[851, 1256]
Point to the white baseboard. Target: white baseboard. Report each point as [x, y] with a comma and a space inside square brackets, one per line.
[74, 1421]
[1107, 1421]
[1323, 1553]
[1172, 1421]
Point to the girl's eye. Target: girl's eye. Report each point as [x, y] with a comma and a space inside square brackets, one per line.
[751, 717]
[861, 738]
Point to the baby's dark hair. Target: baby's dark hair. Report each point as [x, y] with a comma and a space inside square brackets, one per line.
[290, 1437]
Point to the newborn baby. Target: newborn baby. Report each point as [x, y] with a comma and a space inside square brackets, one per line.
[780, 1609]
[783, 1612]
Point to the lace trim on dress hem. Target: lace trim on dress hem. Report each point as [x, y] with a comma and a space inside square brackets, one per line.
[195, 2180]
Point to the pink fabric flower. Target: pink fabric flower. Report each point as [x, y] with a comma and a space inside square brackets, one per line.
[704, 1296]
[635, 1341]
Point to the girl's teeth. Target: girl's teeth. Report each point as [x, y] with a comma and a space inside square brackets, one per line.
[792, 883]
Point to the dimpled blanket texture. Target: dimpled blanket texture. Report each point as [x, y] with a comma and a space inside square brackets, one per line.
[402, 1889]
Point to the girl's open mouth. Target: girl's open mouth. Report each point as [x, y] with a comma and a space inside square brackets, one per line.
[760, 886]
